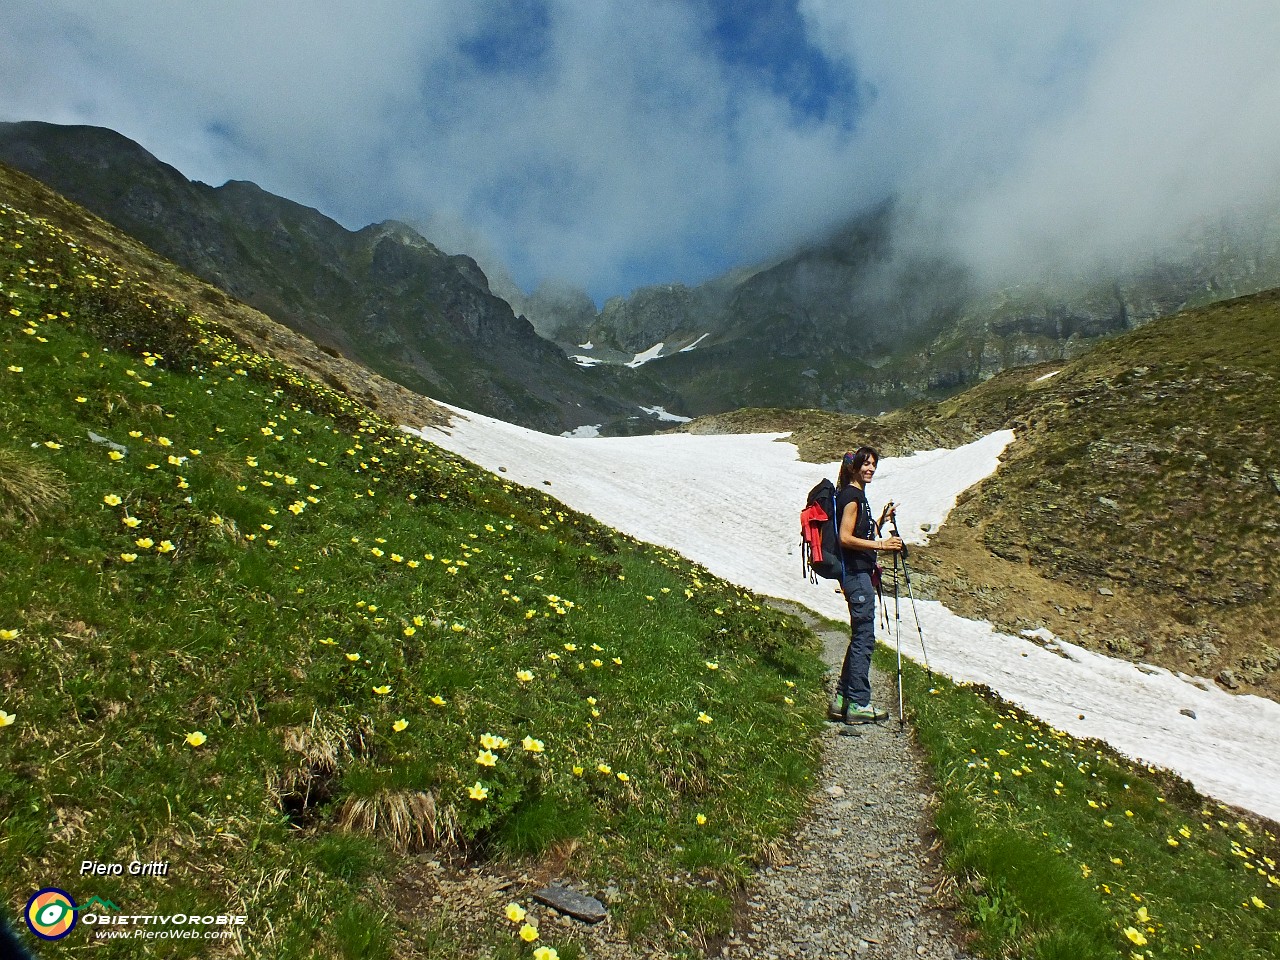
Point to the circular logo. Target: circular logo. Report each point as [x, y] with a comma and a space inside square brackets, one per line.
[51, 913]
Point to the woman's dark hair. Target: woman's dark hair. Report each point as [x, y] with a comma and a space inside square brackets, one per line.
[851, 463]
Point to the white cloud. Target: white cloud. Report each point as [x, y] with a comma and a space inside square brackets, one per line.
[615, 145]
[1066, 134]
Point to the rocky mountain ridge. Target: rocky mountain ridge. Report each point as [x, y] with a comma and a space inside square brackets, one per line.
[383, 296]
[877, 328]
[849, 323]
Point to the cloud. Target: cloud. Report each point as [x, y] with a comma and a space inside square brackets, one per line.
[1070, 136]
[614, 143]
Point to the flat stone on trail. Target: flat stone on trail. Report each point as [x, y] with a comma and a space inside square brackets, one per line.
[576, 905]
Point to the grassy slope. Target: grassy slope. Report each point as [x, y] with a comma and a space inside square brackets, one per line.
[276, 569]
[305, 806]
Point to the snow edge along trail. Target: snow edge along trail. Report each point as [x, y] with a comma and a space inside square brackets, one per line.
[731, 503]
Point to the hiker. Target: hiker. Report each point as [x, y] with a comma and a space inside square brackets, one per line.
[859, 543]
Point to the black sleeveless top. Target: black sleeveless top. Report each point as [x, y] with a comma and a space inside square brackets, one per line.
[857, 561]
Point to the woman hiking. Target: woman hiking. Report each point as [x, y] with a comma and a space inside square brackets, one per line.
[859, 543]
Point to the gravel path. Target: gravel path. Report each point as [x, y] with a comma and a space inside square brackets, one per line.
[862, 877]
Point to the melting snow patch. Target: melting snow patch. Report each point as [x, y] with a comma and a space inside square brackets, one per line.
[586, 346]
[650, 354]
[695, 343]
[586, 430]
[1052, 373]
[661, 414]
[585, 361]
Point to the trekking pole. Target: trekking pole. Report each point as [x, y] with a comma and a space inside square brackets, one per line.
[906, 574]
[897, 632]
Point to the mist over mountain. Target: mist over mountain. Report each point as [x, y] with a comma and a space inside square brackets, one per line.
[869, 318]
[864, 319]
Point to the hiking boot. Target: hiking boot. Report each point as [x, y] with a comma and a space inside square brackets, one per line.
[835, 709]
[867, 714]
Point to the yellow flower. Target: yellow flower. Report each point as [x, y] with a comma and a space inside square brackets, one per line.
[623, 777]
[1261, 905]
[597, 663]
[146, 543]
[128, 557]
[458, 628]
[532, 745]
[1170, 841]
[703, 718]
[9, 634]
[353, 657]
[400, 725]
[164, 441]
[524, 676]
[196, 739]
[571, 647]
[478, 792]
[516, 913]
[546, 953]
[438, 700]
[111, 500]
[486, 758]
[130, 522]
[6, 719]
[604, 768]
[618, 661]
[410, 631]
[1135, 936]
[382, 690]
[1142, 915]
[166, 546]
[528, 933]
[702, 819]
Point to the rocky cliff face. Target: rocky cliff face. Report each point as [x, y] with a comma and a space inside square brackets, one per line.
[850, 325]
[383, 295]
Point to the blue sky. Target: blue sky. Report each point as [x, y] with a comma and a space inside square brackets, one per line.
[615, 144]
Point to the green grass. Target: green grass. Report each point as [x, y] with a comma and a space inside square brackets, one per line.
[1063, 849]
[287, 648]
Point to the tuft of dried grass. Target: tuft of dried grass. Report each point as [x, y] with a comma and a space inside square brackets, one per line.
[29, 489]
[319, 747]
[407, 819]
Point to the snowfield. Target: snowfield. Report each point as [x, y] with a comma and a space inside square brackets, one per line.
[732, 503]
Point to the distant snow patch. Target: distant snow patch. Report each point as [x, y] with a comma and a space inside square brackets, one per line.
[586, 346]
[582, 361]
[661, 414]
[1053, 373]
[650, 354]
[695, 343]
[585, 431]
